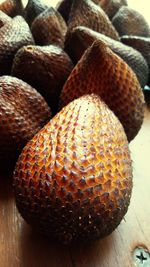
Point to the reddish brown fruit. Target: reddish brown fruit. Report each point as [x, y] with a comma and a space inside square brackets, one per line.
[12, 7]
[23, 112]
[88, 14]
[73, 180]
[33, 9]
[102, 72]
[111, 6]
[46, 68]
[13, 35]
[49, 28]
[128, 21]
[81, 38]
[4, 18]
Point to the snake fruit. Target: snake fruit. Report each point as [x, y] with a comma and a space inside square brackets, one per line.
[12, 7]
[46, 68]
[102, 72]
[73, 180]
[23, 112]
[111, 6]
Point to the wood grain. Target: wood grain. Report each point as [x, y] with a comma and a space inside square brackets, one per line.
[21, 247]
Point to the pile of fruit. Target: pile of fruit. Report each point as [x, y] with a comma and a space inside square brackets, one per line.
[71, 99]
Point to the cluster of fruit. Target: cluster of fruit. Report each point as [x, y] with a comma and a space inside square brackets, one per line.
[73, 178]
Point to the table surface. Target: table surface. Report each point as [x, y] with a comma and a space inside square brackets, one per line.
[20, 247]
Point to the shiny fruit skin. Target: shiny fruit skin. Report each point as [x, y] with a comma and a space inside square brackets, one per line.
[102, 72]
[12, 7]
[4, 18]
[73, 180]
[23, 112]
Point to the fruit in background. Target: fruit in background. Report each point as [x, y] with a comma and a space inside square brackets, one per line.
[4, 18]
[81, 38]
[13, 35]
[73, 180]
[49, 28]
[102, 72]
[23, 112]
[128, 21]
[64, 7]
[46, 68]
[33, 9]
[87, 13]
[142, 44]
[111, 6]
[12, 7]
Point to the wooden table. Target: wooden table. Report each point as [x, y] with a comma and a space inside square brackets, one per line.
[20, 247]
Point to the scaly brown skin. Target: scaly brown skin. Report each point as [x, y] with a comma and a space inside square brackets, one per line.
[81, 38]
[33, 9]
[102, 72]
[73, 180]
[49, 28]
[142, 44]
[46, 68]
[12, 7]
[111, 6]
[13, 35]
[23, 112]
[128, 21]
[64, 7]
[4, 18]
[87, 13]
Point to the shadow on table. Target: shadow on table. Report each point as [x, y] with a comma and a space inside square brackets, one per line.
[39, 251]
[6, 191]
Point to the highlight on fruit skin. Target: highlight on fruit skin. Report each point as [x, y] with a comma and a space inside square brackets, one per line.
[87, 13]
[12, 7]
[102, 72]
[73, 180]
[23, 112]
[33, 9]
[13, 35]
[82, 37]
[49, 28]
[4, 18]
[111, 6]
[128, 21]
[46, 68]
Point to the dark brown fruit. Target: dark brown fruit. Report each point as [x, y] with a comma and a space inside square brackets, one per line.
[23, 112]
[44, 67]
[87, 13]
[33, 9]
[4, 18]
[73, 180]
[12, 7]
[13, 35]
[111, 6]
[102, 72]
[64, 7]
[49, 28]
[128, 21]
[81, 38]
[142, 44]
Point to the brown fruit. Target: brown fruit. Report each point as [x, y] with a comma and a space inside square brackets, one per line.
[46, 68]
[73, 180]
[128, 21]
[33, 9]
[4, 18]
[13, 35]
[111, 6]
[64, 7]
[87, 13]
[12, 7]
[142, 44]
[102, 72]
[23, 112]
[81, 38]
[49, 28]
